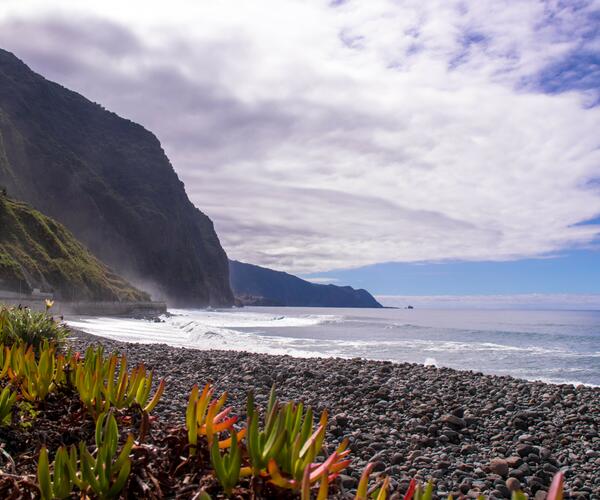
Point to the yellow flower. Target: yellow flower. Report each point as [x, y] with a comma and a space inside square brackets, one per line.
[49, 304]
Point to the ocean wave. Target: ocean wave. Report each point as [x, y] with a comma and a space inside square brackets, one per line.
[407, 326]
[246, 319]
[183, 330]
[558, 380]
[255, 332]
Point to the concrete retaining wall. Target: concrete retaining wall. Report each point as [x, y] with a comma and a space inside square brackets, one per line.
[88, 308]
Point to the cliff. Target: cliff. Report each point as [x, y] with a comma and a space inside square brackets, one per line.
[38, 252]
[109, 182]
[254, 285]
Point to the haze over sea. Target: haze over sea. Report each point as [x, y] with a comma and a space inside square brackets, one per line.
[557, 346]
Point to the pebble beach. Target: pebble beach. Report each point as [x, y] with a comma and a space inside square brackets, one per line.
[469, 432]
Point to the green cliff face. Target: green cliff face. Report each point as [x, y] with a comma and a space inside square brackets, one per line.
[109, 182]
[38, 252]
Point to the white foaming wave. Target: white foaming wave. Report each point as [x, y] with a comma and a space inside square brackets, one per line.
[455, 346]
[551, 380]
[247, 319]
[430, 362]
[191, 334]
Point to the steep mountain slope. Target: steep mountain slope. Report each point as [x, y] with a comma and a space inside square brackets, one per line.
[38, 252]
[109, 181]
[254, 285]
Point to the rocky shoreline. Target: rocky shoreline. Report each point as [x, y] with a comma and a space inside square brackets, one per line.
[472, 433]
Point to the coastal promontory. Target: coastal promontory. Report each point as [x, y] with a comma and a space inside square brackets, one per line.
[260, 286]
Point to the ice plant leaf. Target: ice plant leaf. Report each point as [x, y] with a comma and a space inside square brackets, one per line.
[428, 493]
[323, 488]
[305, 488]
[363, 484]
[226, 443]
[44, 475]
[277, 479]
[157, 395]
[383, 491]
[411, 490]
[556, 488]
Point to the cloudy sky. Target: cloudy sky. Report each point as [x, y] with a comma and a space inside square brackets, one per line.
[335, 135]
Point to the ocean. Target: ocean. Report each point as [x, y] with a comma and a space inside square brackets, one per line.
[555, 346]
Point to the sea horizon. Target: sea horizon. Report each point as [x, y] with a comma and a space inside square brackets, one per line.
[529, 301]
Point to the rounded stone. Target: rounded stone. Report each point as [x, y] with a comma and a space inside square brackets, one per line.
[513, 484]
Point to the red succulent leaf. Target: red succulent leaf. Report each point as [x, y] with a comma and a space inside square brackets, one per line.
[411, 490]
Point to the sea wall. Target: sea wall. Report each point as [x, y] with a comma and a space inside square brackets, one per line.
[132, 309]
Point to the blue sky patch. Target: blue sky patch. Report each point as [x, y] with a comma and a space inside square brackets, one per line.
[573, 272]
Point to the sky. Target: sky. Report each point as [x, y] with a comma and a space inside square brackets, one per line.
[575, 272]
[359, 142]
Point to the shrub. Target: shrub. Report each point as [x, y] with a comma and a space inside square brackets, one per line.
[22, 325]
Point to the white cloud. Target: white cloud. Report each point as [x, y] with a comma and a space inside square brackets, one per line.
[318, 137]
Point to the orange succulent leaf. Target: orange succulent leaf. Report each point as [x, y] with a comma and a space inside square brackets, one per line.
[339, 466]
[277, 479]
[226, 443]
[324, 417]
[225, 424]
[218, 426]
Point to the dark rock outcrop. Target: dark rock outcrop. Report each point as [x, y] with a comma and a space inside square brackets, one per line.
[38, 252]
[109, 181]
[255, 285]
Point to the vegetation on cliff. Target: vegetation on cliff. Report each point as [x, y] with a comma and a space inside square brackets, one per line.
[38, 252]
[110, 183]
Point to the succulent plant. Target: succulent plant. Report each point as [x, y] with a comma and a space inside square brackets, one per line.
[103, 475]
[7, 402]
[60, 483]
[227, 466]
[288, 445]
[36, 378]
[204, 417]
[101, 386]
